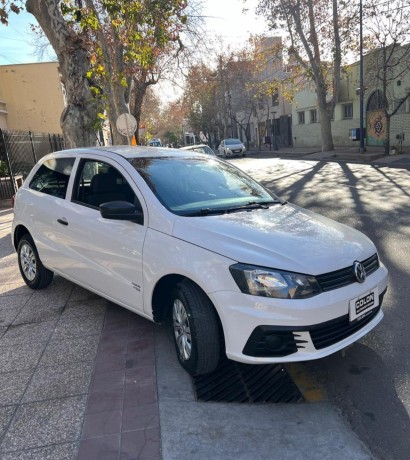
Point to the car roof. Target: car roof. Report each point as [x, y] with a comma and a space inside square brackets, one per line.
[191, 147]
[129, 152]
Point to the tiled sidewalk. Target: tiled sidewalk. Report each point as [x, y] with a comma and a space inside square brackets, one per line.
[77, 373]
[122, 411]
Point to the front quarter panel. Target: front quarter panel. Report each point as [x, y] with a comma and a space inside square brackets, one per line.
[165, 255]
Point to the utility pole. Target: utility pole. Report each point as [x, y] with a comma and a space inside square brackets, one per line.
[222, 89]
[362, 146]
[275, 143]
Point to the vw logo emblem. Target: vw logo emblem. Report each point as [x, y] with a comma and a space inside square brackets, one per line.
[359, 272]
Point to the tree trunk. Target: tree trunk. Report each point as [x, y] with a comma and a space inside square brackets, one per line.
[326, 129]
[387, 141]
[80, 114]
[137, 99]
[117, 106]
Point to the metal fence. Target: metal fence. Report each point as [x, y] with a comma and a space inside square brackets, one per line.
[19, 152]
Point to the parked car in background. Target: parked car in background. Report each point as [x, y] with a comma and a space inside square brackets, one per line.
[231, 147]
[200, 148]
[155, 143]
[192, 241]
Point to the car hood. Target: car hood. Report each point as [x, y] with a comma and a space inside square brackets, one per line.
[284, 237]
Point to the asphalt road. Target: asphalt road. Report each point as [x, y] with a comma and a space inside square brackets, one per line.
[369, 381]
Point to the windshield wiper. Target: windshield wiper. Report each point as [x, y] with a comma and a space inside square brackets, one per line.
[253, 205]
[205, 212]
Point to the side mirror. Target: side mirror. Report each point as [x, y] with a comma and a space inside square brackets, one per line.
[121, 210]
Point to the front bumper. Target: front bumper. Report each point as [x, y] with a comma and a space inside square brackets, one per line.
[235, 152]
[299, 329]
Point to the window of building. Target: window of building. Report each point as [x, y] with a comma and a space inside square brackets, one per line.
[348, 111]
[376, 101]
[301, 118]
[313, 116]
[52, 177]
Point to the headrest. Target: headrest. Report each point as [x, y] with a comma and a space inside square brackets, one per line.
[102, 183]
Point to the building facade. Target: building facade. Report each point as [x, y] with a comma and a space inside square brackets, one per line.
[262, 116]
[346, 117]
[31, 97]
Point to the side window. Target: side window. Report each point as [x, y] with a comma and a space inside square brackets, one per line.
[98, 182]
[52, 177]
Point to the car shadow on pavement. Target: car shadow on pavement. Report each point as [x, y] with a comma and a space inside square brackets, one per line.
[6, 247]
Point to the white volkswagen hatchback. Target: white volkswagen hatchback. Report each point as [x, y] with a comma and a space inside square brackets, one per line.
[182, 236]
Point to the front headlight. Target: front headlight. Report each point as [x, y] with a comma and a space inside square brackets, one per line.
[228, 149]
[268, 282]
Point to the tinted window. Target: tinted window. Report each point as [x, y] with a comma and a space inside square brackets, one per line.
[185, 185]
[232, 141]
[52, 177]
[98, 182]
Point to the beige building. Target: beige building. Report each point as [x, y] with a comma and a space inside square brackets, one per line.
[31, 97]
[258, 103]
[305, 113]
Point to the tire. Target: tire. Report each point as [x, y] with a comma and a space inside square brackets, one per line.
[195, 329]
[34, 274]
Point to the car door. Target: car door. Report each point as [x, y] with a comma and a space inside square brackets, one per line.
[106, 255]
[43, 198]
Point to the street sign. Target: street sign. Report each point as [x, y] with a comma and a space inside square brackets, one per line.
[126, 124]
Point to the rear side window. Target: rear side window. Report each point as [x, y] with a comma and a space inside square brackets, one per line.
[52, 177]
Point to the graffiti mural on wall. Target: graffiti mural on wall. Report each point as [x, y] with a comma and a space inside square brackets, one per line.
[376, 127]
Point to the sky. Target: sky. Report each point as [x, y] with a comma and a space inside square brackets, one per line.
[223, 18]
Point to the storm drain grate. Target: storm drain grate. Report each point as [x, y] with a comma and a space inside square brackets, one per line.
[237, 382]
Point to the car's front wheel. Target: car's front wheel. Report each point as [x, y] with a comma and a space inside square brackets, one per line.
[34, 274]
[195, 329]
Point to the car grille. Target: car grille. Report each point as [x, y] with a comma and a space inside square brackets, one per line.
[345, 276]
[326, 334]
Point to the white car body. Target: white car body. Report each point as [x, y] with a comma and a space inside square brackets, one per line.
[200, 148]
[124, 261]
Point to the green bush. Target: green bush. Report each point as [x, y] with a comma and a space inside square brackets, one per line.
[3, 169]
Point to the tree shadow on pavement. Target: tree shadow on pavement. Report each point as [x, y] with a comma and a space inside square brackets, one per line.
[371, 385]
[361, 384]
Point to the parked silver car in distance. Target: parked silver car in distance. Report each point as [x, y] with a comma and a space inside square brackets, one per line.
[200, 148]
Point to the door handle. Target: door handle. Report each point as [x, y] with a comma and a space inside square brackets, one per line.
[62, 221]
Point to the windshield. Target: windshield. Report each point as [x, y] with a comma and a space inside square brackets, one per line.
[232, 141]
[199, 186]
[203, 149]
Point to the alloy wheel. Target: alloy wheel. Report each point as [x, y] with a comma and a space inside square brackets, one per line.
[182, 329]
[28, 262]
